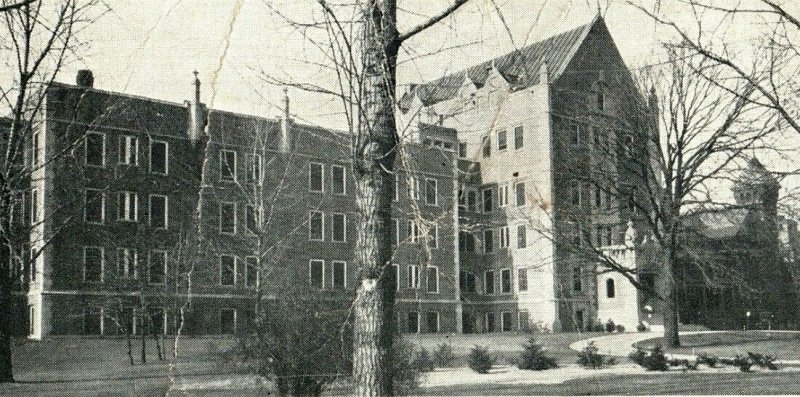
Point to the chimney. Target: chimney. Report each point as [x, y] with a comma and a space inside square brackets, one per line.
[285, 142]
[197, 112]
[85, 78]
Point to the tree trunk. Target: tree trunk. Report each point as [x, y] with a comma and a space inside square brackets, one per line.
[374, 148]
[6, 308]
[667, 291]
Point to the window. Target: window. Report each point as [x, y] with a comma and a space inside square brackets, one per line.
[466, 242]
[504, 237]
[519, 189]
[472, 201]
[432, 320]
[128, 150]
[227, 321]
[339, 179]
[598, 197]
[577, 279]
[251, 271]
[159, 153]
[395, 232]
[522, 236]
[577, 239]
[31, 319]
[488, 241]
[575, 193]
[157, 267]
[431, 192]
[488, 282]
[432, 279]
[95, 206]
[254, 165]
[413, 322]
[316, 177]
[412, 231]
[227, 165]
[316, 273]
[35, 150]
[610, 288]
[339, 275]
[126, 263]
[159, 212]
[467, 282]
[413, 188]
[462, 150]
[601, 101]
[396, 187]
[522, 279]
[608, 200]
[338, 228]
[252, 218]
[519, 138]
[35, 206]
[227, 270]
[92, 321]
[487, 200]
[502, 192]
[610, 235]
[502, 140]
[95, 149]
[575, 134]
[413, 277]
[93, 264]
[490, 323]
[316, 226]
[396, 273]
[579, 319]
[524, 321]
[505, 281]
[433, 236]
[487, 147]
[599, 235]
[506, 322]
[127, 206]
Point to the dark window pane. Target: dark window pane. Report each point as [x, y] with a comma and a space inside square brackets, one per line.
[94, 206]
[339, 226]
[338, 176]
[315, 177]
[251, 272]
[227, 275]
[227, 321]
[315, 226]
[94, 149]
[93, 263]
[522, 279]
[502, 143]
[227, 169]
[519, 138]
[433, 279]
[227, 218]
[158, 267]
[158, 157]
[413, 322]
[432, 318]
[158, 212]
[316, 274]
[339, 273]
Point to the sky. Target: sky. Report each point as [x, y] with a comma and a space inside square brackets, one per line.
[151, 47]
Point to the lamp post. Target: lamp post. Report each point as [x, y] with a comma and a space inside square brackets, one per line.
[747, 327]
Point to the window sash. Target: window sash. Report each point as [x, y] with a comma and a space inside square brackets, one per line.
[227, 218]
[413, 277]
[316, 273]
[128, 150]
[488, 282]
[339, 179]
[316, 226]
[522, 279]
[432, 281]
[127, 206]
[227, 270]
[338, 228]
[251, 272]
[227, 165]
[159, 154]
[95, 149]
[157, 267]
[159, 218]
[431, 192]
[487, 200]
[502, 140]
[519, 138]
[520, 193]
[339, 275]
[94, 206]
[254, 168]
[505, 281]
[93, 264]
[316, 177]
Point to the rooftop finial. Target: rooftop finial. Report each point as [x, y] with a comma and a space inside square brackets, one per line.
[286, 102]
[196, 87]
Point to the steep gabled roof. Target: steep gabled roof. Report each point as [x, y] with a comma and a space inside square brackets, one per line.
[520, 67]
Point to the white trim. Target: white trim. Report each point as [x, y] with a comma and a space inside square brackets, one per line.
[235, 269]
[344, 179]
[102, 263]
[333, 227]
[412, 282]
[310, 281]
[248, 275]
[126, 206]
[506, 270]
[427, 284]
[222, 204]
[131, 254]
[311, 164]
[333, 274]
[486, 281]
[124, 142]
[223, 163]
[166, 157]
[435, 192]
[322, 227]
[150, 211]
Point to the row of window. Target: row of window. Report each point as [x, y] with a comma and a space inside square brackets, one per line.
[228, 166]
[229, 222]
[96, 321]
[597, 236]
[316, 226]
[502, 139]
[469, 201]
[431, 320]
[317, 178]
[600, 137]
[466, 240]
[413, 281]
[127, 207]
[317, 275]
[128, 152]
[468, 281]
[413, 188]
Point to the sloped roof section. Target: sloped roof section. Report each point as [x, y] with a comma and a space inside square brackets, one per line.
[520, 67]
[718, 224]
[757, 174]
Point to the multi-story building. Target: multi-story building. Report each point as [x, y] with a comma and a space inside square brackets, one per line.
[122, 178]
[540, 131]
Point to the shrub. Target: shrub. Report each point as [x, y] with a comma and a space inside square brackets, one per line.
[423, 362]
[705, 358]
[620, 328]
[652, 361]
[480, 360]
[641, 327]
[685, 363]
[744, 363]
[590, 358]
[534, 358]
[598, 326]
[443, 356]
[763, 361]
[610, 326]
[405, 374]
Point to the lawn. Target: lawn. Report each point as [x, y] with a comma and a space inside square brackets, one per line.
[783, 345]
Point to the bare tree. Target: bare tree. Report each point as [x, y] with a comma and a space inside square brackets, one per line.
[39, 39]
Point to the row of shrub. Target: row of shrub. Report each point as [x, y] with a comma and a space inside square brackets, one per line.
[655, 360]
[534, 357]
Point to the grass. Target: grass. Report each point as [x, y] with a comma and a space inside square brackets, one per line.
[784, 345]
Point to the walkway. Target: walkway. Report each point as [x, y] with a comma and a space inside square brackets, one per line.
[622, 344]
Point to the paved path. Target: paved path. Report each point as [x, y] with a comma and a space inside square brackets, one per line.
[622, 344]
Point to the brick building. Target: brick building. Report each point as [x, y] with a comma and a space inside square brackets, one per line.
[117, 184]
